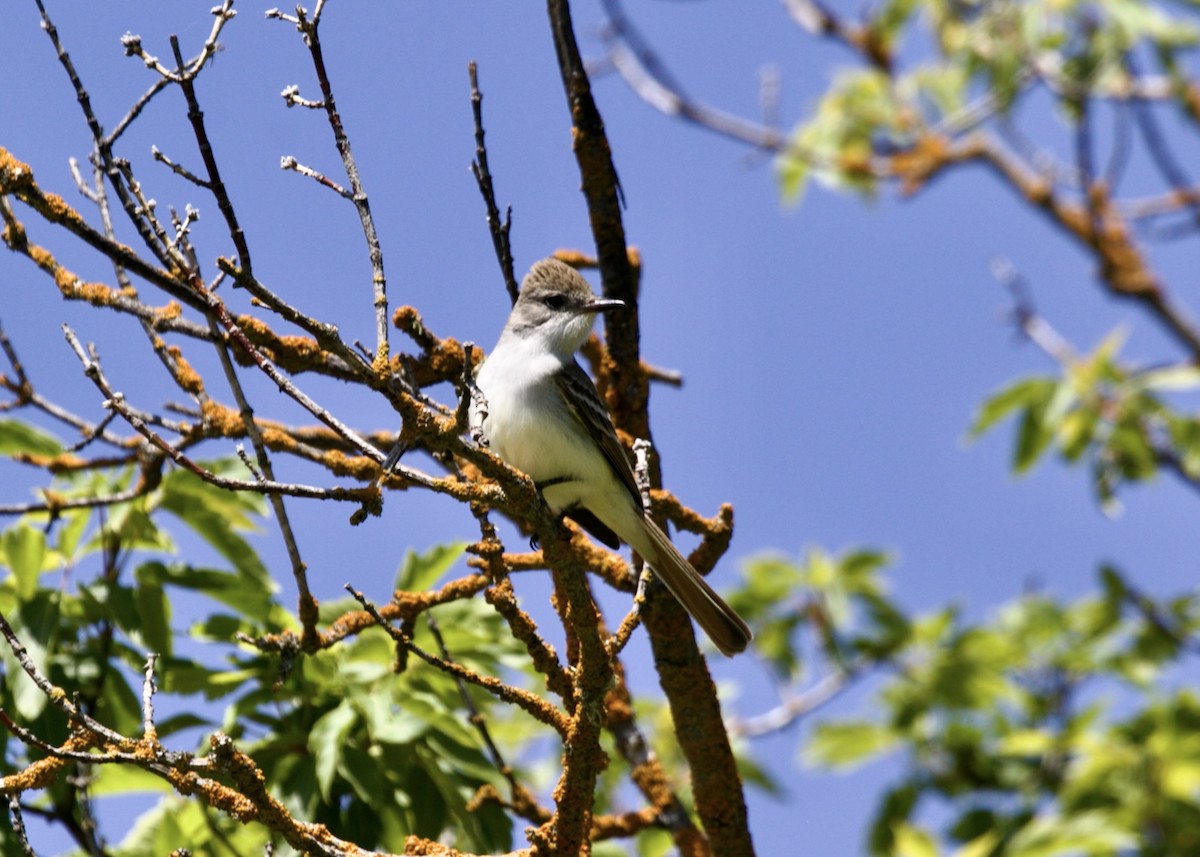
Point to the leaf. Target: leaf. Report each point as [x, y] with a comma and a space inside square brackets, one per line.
[793, 171]
[1021, 394]
[71, 530]
[845, 745]
[24, 549]
[125, 779]
[365, 775]
[389, 724]
[28, 700]
[217, 527]
[131, 525]
[420, 571]
[769, 579]
[1170, 378]
[1033, 437]
[17, 436]
[980, 846]
[326, 741]
[1031, 743]
[178, 722]
[1051, 835]
[248, 595]
[240, 508]
[913, 842]
[154, 614]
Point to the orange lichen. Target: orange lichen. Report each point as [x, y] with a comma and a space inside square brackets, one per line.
[42, 773]
[15, 175]
[358, 466]
[64, 462]
[919, 162]
[293, 354]
[187, 377]
[223, 421]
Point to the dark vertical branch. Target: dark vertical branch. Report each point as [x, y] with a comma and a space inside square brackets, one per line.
[196, 118]
[602, 190]
[685, 679]
[483, 177]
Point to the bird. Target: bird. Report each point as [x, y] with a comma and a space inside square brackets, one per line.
[545, 418]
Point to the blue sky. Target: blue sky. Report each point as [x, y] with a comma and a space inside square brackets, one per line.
[833, 352]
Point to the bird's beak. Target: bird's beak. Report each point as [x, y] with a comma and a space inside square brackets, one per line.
[603, 305]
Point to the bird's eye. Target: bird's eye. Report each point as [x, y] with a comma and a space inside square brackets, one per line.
[555, 301]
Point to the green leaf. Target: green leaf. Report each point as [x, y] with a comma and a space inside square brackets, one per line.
[980, 846]
[217, 525]
[154, 613]
[250, 596]
[71, 530]
[326, 741]
[17, 436]
[913, 842]
[770, 578]
[845, 745]
[390, 724]
[24, 549]
[131, 525]
[239, 508]
[178, 722]
[1020, 394]
[111, 780]
[420, 571]
[793, 171]
[28, 699]
[1033, 437]
[1050, 835]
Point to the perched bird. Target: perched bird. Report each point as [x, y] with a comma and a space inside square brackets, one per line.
[545, 418]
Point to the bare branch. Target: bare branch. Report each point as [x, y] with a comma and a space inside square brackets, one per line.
[358, 194]
[18, 825]
[483, 177]
[287, 162]
[116, 401]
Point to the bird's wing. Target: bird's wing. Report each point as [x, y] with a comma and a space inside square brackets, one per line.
[580, 396]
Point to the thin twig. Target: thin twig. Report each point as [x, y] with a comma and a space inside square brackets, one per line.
[196, 118]
[149, 732]
[519, 794]
[483, 177]
[18, 825]
[795, 707]
[116, 401]
[310, 27]
[648, 77]
[179, 170]
[287, 162]
[308, 605]
[532, 704]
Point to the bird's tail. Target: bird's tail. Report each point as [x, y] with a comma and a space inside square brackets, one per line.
[719, 621]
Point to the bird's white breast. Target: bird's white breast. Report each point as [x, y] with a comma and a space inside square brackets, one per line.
[530, 427]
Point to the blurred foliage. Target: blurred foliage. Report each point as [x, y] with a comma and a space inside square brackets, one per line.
[1125, 422]
[1047, 728]
[967, 53]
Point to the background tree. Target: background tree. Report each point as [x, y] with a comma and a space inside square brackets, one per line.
[320, 731]
[1010, 726]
